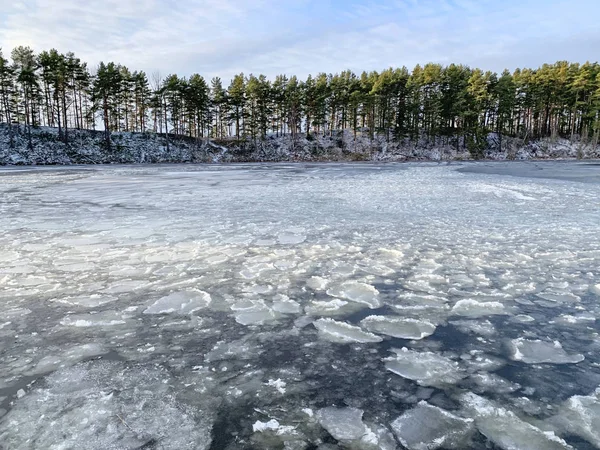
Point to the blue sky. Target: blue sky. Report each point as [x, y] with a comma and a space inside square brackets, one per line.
[224, 37]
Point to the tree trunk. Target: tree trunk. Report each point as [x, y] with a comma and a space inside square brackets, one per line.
[58, 116]
[64, 104]
[106, 123]
[166, 126]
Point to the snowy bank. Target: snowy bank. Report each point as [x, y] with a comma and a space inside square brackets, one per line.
[90, 147]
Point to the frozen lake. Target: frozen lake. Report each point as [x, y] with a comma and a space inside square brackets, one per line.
[365, 306]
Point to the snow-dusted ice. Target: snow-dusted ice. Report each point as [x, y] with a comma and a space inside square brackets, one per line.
[427, 427]
[538, 351]
[282, 306]
[425, 368]
[344, 424]
[343, 332]
[405, 328]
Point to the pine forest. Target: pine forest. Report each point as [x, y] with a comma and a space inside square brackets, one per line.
[451, 105]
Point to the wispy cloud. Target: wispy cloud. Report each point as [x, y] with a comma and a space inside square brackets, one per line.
[224, 37]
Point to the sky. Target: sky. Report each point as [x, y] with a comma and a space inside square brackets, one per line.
[298, 37]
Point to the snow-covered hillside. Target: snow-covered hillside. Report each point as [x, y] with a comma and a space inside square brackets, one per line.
[89, 147]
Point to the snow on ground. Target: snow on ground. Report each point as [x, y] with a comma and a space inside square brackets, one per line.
[88, 147]
[227, 301]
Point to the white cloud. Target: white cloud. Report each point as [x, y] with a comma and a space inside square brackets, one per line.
[224, 37]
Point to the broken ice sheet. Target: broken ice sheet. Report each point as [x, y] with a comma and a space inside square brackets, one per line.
[344, 424]
[383, 240]
[97, 319]
[253, 312]
[474, 308]
[538, 351]
[505, 429]
[404, 328]
[580, 415]
[335, 307]
[184, 302]
[481, 327]
[357, 292]
[344, 333]
[426, 368]
[427, 427]
[67, 357]
[490, 382]
[100, 405]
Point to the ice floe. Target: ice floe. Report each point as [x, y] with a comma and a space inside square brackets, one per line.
[317, 283]
[100, 319]
[427, 427]
[67, 357]
[333, 307]
[344, 333]
[357, 292]
[580, 416]
[87, 301]
[474, 308]
[101, 405]
[505, 429]
[185, 302]
[537, 351]
[426, 368]
[404, 328]
[344, 424]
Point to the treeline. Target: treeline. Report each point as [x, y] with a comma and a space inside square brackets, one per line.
[454, 105]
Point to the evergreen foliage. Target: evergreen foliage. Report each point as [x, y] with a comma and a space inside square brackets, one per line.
[451, 105]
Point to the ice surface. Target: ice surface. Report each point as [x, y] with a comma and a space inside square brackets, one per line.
[105, 405]
[580, 415]
[564, 297]
[274, 426]
[185, 302]
[213, 277]
[426, 368]
[67, 357]
[477, 361]
[491, 382]
[317, 283]
[427, 427]
[286, 306]
[343, 332]
[474, 308]
[100, 319]
[255, 312]
[405, 328]
[263, 426]
[481, 327]
[278, 384]
[538, 351]
[505, 429]
[357, 292]
[344, 424]
[330, 307]
[87, 301]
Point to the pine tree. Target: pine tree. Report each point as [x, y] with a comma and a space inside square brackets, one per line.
[7, 90]
[505, 92]
[218, 100]
[237, 99]
[142, 97]
[25, 68]
[105, 96]
[454, 103]
[198, 102]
